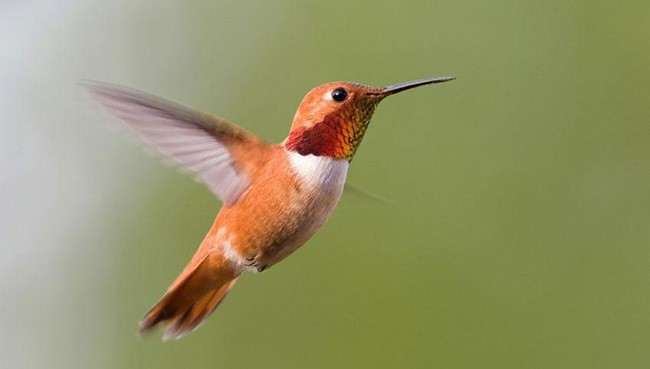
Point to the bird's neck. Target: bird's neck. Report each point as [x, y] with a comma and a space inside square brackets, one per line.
[336, 135]
[323, 174]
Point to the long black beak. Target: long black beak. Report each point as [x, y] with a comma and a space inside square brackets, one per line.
[393, 89]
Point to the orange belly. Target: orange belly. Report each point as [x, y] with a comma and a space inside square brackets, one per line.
[280, 211]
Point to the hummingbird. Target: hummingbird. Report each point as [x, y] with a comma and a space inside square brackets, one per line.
[274, 196]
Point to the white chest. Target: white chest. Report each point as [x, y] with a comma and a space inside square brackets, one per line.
[320, 173]
[323, 178]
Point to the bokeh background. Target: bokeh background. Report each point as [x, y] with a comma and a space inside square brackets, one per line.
[516, 227]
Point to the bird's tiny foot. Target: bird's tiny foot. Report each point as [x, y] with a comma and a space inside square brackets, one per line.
[255, 263]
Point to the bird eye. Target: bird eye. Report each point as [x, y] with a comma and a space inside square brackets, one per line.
[339, 94]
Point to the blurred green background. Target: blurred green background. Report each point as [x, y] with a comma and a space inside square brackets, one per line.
[516, 234]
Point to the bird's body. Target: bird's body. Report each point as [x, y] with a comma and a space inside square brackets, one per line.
[276, 196]
[288, 201]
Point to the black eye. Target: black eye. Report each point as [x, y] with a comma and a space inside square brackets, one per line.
[339, 94]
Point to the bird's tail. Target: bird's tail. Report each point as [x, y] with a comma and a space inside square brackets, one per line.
[192, 297]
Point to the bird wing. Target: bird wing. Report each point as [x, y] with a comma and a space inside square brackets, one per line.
[217, 152]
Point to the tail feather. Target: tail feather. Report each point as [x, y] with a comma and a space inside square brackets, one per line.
[191, 298]
[196, 314]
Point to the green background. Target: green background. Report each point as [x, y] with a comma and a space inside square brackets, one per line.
[515, 227]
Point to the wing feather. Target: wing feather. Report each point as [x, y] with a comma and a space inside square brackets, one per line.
[199, 142]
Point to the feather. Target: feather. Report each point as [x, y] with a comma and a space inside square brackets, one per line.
[198, 142]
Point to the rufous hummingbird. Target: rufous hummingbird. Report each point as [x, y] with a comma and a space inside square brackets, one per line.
[275, 196]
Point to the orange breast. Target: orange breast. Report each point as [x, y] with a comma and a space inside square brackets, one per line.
[269, 215]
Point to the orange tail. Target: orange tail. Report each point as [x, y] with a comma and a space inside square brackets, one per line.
[192, 297]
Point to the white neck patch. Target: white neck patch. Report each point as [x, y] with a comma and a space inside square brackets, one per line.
[319, 171]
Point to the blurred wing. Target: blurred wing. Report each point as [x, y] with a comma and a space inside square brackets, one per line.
[199, 142]
[358, 191]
